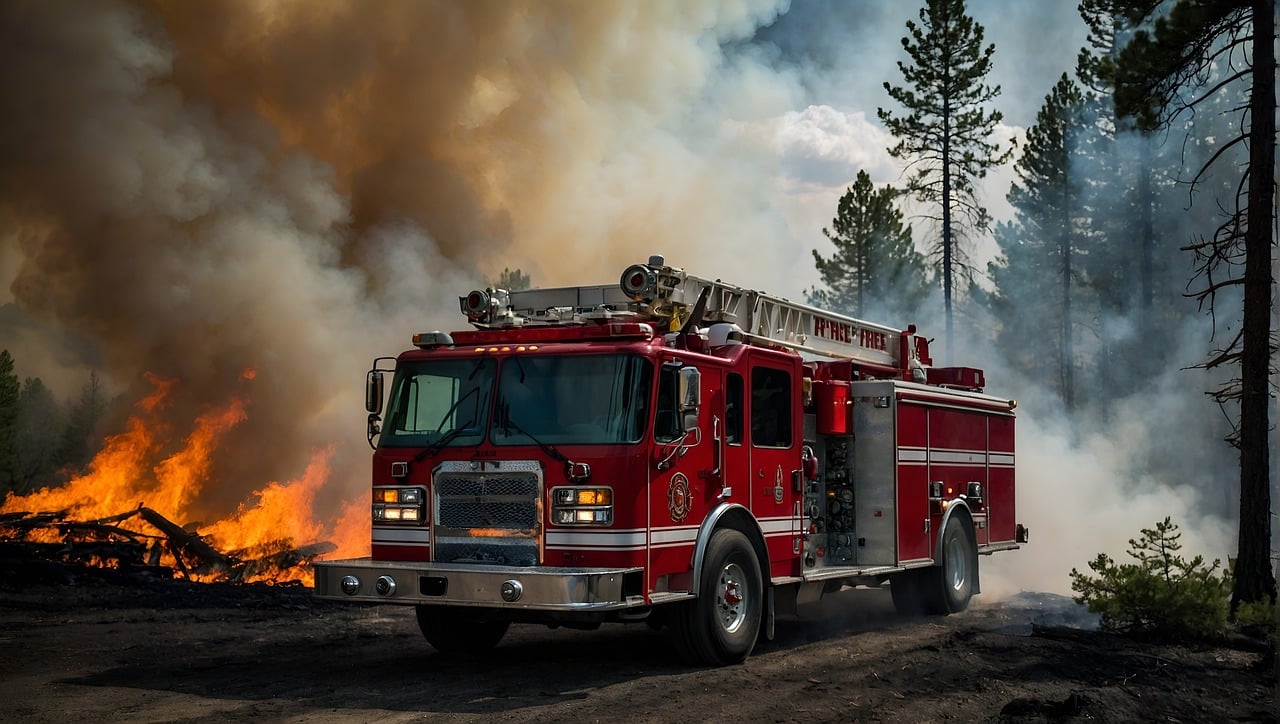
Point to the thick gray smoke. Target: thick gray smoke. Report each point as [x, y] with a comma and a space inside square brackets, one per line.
[201, 188]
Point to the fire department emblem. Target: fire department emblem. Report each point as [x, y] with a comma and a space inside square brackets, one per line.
[678, 501]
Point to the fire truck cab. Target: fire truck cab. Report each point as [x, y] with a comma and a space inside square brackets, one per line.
[678, 451]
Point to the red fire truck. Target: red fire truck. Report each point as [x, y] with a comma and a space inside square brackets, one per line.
[674, 450]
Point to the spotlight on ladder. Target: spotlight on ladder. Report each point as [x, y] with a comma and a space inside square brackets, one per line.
[476, 305]
[639, 282]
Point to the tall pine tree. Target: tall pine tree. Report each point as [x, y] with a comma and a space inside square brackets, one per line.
[875, 262]
[1201, 49]
[1130, 173]
[79, 437]
[1040, 251]
[945, 134]
[40, 428]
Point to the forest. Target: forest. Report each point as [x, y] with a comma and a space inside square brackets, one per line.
[1144, 191]
[43, 440]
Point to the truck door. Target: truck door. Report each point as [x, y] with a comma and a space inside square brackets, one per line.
[733, 416]
[774, 438]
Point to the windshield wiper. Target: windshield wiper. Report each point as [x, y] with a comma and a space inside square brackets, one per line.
[448, 437]
[444, 440]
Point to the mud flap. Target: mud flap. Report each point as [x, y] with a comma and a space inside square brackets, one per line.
[768, 615]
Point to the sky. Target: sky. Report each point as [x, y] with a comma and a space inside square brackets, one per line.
[194, 190]
[846, 51]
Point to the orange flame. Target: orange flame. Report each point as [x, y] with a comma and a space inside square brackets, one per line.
[277, 519]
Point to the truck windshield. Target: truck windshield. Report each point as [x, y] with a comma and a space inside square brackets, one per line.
[601, 399]
[439, 400]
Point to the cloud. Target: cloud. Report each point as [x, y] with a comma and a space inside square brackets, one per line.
[827, 147]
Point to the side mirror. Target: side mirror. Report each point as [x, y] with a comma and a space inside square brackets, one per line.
[373, 392]
[689, 396]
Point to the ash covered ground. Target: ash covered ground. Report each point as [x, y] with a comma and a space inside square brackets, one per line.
[92, 649]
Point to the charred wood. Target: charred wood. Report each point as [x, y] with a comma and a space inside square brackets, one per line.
[183, 544]
[49, 546]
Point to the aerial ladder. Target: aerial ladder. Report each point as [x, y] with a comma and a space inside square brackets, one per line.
[674, 300]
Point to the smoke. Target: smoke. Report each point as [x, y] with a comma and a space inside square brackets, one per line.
[202, 189]
[198, 189]
[1087, 486]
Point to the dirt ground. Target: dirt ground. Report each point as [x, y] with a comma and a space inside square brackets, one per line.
[91, 650]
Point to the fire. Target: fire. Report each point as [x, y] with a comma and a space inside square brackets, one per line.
[270, 537]
[497, 532]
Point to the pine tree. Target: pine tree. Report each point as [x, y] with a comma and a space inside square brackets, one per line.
[1128, 266]
[512, 280]
[875, 261]
[78, 438]
[1018, 310]
[10, 391]
[1044, 241]
[39, 434]
[944, 137]
[1201, 49]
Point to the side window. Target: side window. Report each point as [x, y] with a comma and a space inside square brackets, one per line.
[666, 426]
[734, 402]
[770, 407]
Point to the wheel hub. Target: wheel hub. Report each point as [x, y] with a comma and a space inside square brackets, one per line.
[730, 600]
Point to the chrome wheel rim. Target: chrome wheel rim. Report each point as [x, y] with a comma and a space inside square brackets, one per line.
[731, 601]
[957, 564]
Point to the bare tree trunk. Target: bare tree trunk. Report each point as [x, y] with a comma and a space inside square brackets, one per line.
[1254, 580]
[1066, 348]
[946, 225]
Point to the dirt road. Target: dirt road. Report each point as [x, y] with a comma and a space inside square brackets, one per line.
[179, 652]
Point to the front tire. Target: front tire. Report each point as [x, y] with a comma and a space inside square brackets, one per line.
[452, 631]
[721, 625]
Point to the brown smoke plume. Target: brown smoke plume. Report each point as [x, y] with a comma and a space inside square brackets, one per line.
[295, 187]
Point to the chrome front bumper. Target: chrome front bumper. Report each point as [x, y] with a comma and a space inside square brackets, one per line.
[454, 584]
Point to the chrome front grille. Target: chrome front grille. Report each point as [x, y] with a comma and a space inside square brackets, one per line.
[507, 501]
[489, 515]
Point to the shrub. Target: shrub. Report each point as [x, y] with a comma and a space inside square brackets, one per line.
[1160, 595]
[1258, 616]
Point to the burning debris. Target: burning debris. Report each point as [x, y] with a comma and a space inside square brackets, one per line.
[80, 524]
[152, 546]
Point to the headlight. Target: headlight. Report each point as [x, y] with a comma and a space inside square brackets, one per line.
[399, 505]
[581, 506]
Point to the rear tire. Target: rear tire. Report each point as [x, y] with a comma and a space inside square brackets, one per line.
[453, 631]
[950, 586]
[906, 590]
[721, 625]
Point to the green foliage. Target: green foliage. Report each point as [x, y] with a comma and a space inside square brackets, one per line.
[1161, 595]
[1258, 618]
[875, 261]
[945, 133]
[42, 439]
[1169, 54]
[1038, 274]
[40, 425]
[513, 280]
[945, 99]
[1188, 56]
